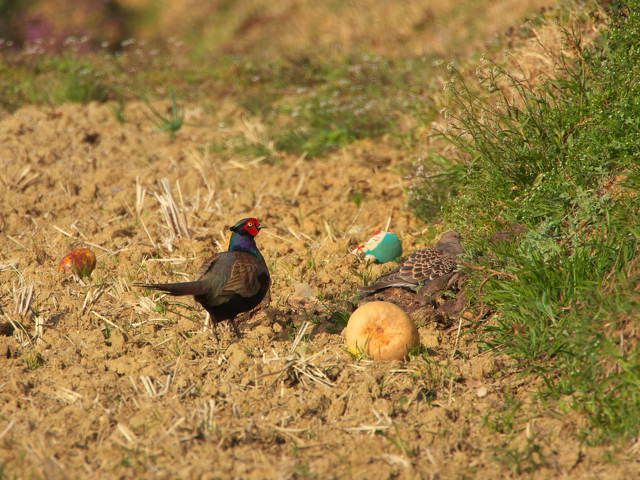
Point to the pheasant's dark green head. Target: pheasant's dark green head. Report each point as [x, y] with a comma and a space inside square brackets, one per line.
[247, 226]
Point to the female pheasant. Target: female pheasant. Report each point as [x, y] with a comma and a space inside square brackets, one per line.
[231, 282]
[423, 267]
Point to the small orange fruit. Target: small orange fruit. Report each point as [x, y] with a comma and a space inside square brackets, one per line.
[80, 262]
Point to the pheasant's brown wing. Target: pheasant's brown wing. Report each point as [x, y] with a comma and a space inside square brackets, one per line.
[234, 276]
[247, 276]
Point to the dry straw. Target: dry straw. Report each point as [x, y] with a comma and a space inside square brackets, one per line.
[300, 368]
[173, 215]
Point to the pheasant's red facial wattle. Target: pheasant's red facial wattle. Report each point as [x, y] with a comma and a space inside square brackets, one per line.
[252, 226]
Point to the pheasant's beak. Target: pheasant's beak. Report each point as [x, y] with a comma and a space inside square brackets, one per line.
[260, 227]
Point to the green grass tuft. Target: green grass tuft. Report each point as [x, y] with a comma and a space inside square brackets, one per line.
[33, 360]
[171, 122]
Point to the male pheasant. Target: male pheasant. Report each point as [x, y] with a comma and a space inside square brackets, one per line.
[231, 282]
[423, 267]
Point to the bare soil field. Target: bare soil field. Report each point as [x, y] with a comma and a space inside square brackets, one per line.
[103, 380]
[106, 380]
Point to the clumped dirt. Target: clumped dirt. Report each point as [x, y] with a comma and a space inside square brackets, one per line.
[103, 380]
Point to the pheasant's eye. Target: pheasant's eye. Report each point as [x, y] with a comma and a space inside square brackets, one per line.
[250, 224]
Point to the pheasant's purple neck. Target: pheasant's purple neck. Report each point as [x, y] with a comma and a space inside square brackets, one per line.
[244, 243]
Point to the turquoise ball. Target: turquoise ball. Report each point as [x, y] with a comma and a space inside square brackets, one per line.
[388, 249]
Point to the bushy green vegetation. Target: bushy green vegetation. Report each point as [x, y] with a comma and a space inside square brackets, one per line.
[563, 162]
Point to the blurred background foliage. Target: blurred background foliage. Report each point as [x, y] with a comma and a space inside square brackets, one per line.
[399, 28]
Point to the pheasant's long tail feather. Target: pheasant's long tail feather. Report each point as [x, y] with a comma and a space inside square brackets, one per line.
[182, 288]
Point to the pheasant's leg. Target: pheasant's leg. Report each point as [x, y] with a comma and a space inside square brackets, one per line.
[211, 320]
[234, 324]
[214, 330]
[267, 299]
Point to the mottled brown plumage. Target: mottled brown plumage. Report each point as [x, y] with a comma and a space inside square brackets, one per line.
[422, 266]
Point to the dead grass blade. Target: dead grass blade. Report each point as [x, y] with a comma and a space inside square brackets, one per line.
[383, 422]
[173, 215]
[141, 193]
[23, 180]
[149, 385]
[91, 297]
[109, 322]
[68, 396]
[7, 428]
[22, 298]
[301, 331]
[129, 436]
[9, 265]
[301, 369]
